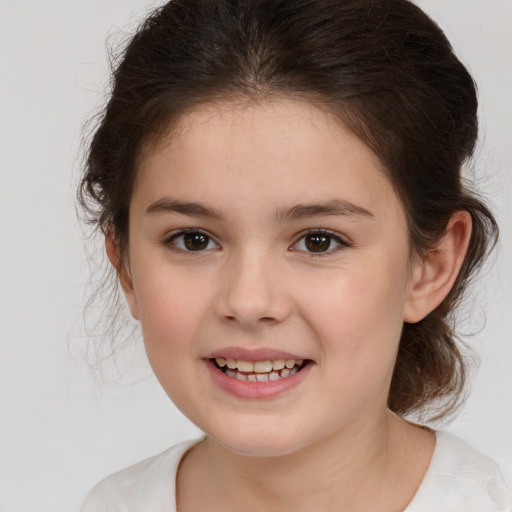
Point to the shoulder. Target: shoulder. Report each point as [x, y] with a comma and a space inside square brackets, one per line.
[146, 486]
[461, 479]
[454, 451]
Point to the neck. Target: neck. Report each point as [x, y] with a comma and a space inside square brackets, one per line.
[351, 470]
[283, 483]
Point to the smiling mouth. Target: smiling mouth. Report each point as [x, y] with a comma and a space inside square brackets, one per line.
[259, 371]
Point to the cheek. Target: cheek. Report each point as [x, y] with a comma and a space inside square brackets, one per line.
[359, 319]
[170, 318]
[171, 308]
[358, 323]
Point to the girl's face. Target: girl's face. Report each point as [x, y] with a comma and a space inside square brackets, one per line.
[259, 236]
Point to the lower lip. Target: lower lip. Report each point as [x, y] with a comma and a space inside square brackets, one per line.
[256, 390]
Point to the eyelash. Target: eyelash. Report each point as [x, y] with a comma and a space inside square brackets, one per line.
[170, 241]
[342, 243]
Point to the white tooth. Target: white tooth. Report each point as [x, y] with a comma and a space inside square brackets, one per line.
[300, 362]
[231, 363]
[262, 377]
[293, 370]
[285, 372]
[231, 373]
[221, 361]
[244, 366]
[263, 366]
[240, 376]
[251, 377]
[273, 376]
[278, 364]
[290, 363]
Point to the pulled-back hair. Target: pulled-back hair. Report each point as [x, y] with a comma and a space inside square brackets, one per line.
[382, 67]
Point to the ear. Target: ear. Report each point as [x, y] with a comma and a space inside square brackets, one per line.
[434, 276]
[123, 272]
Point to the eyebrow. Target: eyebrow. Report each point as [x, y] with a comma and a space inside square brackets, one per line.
[295, 212]
[168, 205]
[333, 207]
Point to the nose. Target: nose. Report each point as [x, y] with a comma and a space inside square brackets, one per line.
[253, 292]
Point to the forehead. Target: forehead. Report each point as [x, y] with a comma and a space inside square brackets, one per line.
[273, 152]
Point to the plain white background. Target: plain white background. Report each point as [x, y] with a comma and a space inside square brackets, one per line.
[60, 431]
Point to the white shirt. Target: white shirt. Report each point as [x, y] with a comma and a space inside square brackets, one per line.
[458, 479]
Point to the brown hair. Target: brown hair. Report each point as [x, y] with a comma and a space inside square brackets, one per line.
[383, 67]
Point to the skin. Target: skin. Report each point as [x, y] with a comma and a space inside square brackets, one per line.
[329, 441]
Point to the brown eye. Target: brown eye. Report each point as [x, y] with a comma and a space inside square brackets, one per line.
[193, 241]
[317, 242]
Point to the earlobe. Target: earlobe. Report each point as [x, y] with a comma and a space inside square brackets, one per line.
[123, 274]
[434, 276]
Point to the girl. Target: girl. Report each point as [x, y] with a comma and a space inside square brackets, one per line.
[279, 187]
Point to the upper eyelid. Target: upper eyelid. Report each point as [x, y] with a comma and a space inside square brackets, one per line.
[175, 233]
[343, 242]
[335, 234]
[182, 231]
[343, 239]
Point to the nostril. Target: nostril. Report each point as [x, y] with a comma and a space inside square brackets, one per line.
[252, 307]
[264, 319]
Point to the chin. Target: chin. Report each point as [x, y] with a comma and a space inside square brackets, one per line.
[261, 442]
[257, 448]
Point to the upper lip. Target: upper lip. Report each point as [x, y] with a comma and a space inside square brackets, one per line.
[256, 354]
